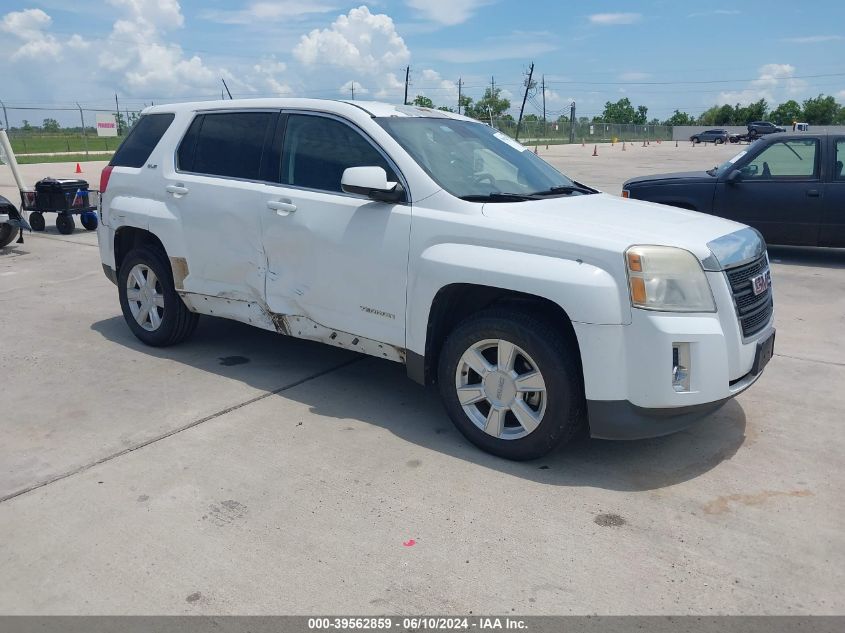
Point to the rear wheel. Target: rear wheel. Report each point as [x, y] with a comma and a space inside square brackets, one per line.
[151, 307]
[7, 234]
[511, 383]
[695, 140]
[65, 223]
[36, 221]
[719, 141]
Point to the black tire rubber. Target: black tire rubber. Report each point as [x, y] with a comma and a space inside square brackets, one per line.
[36, 221]
[7, 234]
[177, 323]
[695, 140]
[65, 223]
[718, 141]
[89, 221]
[556, 356]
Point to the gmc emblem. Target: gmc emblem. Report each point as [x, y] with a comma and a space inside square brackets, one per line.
[761, 282]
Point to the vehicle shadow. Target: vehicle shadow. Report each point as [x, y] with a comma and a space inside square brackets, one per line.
[807, 256]
[377, 392]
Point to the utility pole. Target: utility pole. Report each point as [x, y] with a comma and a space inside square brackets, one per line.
[5, 116]
[492, 87]
[545, 125]
[117, 116]
[572, 122]
[226, 87]
[459, 95]
[524, 98]
[407, 81]
[353, 89]
[84, 134]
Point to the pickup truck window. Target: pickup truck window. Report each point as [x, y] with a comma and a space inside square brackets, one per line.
[318, 149]
[471, 159]
[838, 172]
[784, 160]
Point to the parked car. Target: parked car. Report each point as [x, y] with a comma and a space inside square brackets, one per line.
[789, 186]
[762, 128]
[710, 136]
[536, 303]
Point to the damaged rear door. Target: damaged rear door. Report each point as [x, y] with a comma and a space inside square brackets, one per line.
[219, 189]
[338, 260]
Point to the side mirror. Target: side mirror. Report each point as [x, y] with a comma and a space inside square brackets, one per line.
[734, 177]
[371, 182]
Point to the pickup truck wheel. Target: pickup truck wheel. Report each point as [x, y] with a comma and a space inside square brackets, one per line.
[7, 234]
[511, 384]
[153, 310]
[36, 221]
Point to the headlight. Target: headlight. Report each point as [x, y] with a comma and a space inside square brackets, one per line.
[669, 279]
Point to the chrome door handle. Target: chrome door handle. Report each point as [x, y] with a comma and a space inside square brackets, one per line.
[813, 193]
[281, 207]
[178, 190]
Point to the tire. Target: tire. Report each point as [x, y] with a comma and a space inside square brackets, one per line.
[173, 322]
[65, 223]
[89, 220]
[719, 141]
[7, 234]
[36, 221]
[554, 410]
[695, 140]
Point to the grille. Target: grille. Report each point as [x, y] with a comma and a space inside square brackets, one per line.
[753, 311]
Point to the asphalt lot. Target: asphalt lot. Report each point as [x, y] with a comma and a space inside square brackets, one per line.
[244, 472]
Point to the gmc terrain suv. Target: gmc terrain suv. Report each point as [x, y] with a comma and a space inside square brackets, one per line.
[536, 303]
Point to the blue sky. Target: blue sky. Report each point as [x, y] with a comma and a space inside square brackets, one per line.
[56, 52]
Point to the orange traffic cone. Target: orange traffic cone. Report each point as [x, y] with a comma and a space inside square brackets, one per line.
[595, 150]
[78, 168]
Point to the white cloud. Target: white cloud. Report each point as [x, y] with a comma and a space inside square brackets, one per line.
[267, 12]
[77, 43]
[774, 83]
[634, 76]
[30, 27]
[812, 39]
[608, 19]
[447, 12]
[441, 91]
[359, 43]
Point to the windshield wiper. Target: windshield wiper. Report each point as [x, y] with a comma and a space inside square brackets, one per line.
[564, 190]
[499, 196]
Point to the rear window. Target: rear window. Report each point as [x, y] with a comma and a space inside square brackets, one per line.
[229, 144]
[141, 142]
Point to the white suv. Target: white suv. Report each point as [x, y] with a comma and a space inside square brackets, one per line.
[538, 304]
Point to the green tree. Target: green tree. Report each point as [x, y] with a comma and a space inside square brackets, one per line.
[623, 112]
[51, 125]
[26, 126]
[423, 102]
[757, 111]
[491, 103]
[445, 109]
[821, 110]
[641, 116]
[680, 118]
[787, 112]
[463, 103]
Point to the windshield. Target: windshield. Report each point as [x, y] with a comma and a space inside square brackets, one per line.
[474, 161]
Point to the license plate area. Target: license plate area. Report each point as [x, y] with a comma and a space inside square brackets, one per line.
[765, 351]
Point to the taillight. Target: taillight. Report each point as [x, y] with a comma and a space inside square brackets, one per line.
[626, 193]
[104, 178]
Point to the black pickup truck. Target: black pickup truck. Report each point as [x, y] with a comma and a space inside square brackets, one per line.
[788, 186]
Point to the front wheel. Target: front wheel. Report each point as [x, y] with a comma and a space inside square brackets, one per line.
[36, 220]
[719, 141]
[7, 234]
[695, 140]
[151, 307]
[511, 383]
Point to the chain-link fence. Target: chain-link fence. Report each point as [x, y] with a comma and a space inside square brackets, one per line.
[557, 132]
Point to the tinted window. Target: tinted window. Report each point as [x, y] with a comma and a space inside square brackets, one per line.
[317, 150]
[786, 159]
[838, 171]
[142, 139]
[230, 144]
[188, 146]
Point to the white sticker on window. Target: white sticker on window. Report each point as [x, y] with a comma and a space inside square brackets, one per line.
[507, 139]
[738, 156]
